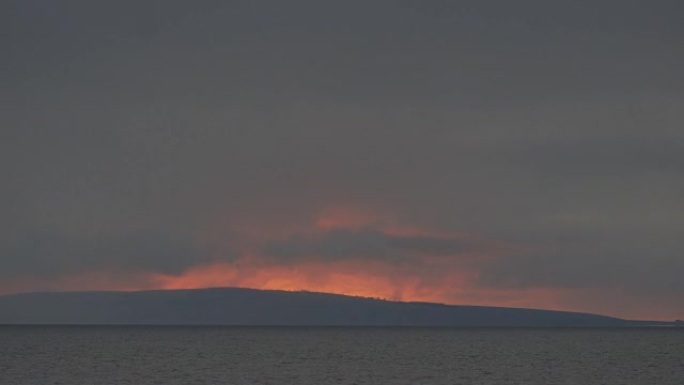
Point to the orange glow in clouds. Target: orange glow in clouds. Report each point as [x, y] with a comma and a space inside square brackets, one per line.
[351, 278]
[444, 274]
[367, 277]
[427, 278]
[344, 217]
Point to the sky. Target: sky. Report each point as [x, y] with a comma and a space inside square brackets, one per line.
[526, 153]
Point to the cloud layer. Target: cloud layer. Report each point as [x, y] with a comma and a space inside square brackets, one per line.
[532, 149]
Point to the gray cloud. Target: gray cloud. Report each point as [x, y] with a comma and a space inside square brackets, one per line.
[367, 244]
[45, 254]
[639, 263]
[629, 273]
[606, 156]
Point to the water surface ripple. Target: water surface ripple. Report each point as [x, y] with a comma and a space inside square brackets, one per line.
[62, 355]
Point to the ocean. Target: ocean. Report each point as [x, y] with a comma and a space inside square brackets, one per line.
[122, 355]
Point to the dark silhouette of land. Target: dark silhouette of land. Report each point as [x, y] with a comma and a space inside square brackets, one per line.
[233, 306]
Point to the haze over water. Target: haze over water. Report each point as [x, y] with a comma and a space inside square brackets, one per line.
[60, 355]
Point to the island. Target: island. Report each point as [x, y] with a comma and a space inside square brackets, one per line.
[250, 307]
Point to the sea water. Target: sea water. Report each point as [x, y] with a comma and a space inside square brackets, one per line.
[91, 355]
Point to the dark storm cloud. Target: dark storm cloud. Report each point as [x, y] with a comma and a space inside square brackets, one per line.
[642, 267]
[367, 244]
[523, 121]
[45, 254]
[606, 156]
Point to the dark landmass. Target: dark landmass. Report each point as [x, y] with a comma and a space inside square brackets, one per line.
[233, 306]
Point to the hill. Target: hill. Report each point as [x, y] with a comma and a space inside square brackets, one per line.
[234, 306]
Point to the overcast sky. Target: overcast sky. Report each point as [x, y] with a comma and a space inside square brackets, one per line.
[513, 153]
